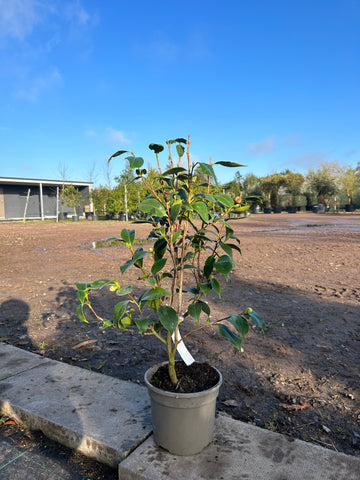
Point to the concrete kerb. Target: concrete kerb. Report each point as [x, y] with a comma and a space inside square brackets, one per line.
[110, 421]
[99, 416]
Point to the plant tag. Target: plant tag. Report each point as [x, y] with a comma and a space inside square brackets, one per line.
[183, 351]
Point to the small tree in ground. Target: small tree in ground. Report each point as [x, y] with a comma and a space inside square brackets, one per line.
[72, 197]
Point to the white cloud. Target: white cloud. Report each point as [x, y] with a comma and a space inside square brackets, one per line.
[19, 17]
[266, 145]
[90, 133]
[75, 11]
[39, 85]
[117, 136]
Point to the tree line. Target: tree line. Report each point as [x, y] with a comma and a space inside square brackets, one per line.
[331, 184]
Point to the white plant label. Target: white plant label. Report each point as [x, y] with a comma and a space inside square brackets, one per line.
[183, 351]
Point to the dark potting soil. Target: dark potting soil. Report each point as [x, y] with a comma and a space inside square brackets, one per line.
[196, 377]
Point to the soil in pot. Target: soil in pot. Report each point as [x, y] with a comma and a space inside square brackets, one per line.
[196, 377]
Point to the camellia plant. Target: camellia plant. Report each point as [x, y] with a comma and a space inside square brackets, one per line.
[192, 245]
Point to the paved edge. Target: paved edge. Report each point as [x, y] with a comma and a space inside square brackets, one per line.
[100, 416]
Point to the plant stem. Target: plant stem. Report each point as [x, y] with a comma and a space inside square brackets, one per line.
[171, 356]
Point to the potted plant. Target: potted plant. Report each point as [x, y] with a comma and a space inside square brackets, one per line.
[192, 246]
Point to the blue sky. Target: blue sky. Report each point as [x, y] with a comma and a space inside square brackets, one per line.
[271, 84]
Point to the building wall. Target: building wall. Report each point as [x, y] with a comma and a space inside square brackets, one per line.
[13, 201]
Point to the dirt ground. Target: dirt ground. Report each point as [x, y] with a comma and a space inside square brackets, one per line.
[299, 271]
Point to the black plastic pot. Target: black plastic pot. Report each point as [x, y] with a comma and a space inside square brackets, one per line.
[350, 208]
[267, 210]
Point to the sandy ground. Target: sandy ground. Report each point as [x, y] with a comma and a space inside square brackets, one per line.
[299, 271]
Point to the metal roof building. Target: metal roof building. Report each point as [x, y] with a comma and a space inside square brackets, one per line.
[32, 199]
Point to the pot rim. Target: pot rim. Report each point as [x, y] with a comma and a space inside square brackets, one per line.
[179, 394]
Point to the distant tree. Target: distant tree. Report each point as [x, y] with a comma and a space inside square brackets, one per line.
[323, 182]
[293, 183]
[72, 197]
[349, 182]
[271, 185]
[251, 184]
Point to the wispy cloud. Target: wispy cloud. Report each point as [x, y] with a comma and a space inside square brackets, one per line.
[74, 11]
[266, 145]
[117, 136]
[19, 17]
[308, 160]
[39, 85]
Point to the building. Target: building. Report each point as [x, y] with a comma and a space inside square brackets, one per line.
[31, 199]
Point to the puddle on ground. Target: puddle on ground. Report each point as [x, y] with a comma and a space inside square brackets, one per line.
[118, 242]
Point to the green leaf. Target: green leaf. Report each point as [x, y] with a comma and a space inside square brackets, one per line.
[195, 310]
[98, 284]
[201, 209]
[216, 286]
[177, 235]
[205, 307]
[224, 265]
[153, 207]
[229, 164]
[142, 324]
[82, 295]
[175, 210]
[259, 321]
[240, 324]
[168, 318]
[123, 291]
[154, 293]
[135, 162]
[227, 249]
[83, 286]
[160, 248]
[116, 154]
[156, 147]
[119, 311]
[158, 266]
[139, 254]
[180, 140]
[225, 200]
[229, 335]
[180, 150]
[174, 171]
[205, 288]
[126, 322]
[80, 313]
[209, 266]
[208, 169]
[128, 236]
[107, 323]
[126, 265]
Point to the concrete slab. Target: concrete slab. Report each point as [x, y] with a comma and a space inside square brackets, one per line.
[242, 451]
[14, 361]
[100, 416]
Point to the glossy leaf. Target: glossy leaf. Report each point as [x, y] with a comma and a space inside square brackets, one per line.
[158, 266]
[240, 324]
[209, 266]
[180, 150]
[175, 210]
[201, 209]
[216, 286]
[205, 307]
[153, 207]
[126, 265]
[225, 200]
[135, 162]
[229, 164]
[174, 171]
[142, 324]
[116, 154]
[229, 335]
[154, 293]
[195, 310]
[156, 147]
[259, 321]
[224, 265]
[80, 313]
[119, 310]
[128, 236]
[123, 291]
[205, 288]
[168, 318]
[208, 170]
